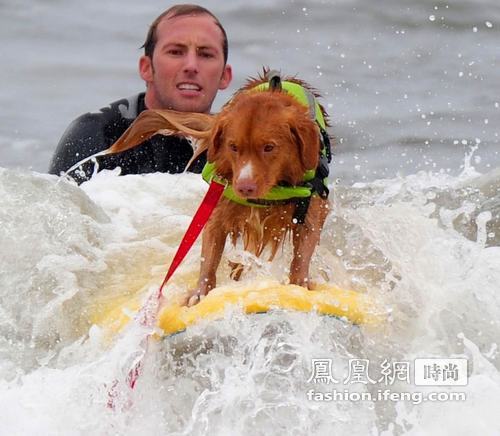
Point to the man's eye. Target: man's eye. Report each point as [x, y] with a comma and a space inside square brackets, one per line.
[206, 55]
[175, 52]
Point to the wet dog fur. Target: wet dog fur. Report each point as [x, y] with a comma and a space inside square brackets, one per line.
[257, 141]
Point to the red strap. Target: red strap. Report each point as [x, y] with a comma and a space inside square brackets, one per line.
[200, 218]
[147, 316]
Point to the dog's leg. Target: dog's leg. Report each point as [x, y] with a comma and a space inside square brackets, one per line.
[305, 239]
[212, 246]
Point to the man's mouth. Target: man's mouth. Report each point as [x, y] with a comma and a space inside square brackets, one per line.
[188, 87]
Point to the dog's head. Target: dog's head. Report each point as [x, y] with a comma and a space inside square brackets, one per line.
[261, 139]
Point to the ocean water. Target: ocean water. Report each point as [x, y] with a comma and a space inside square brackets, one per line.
[413, 93]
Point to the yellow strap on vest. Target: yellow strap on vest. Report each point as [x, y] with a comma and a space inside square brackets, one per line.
[276, 193]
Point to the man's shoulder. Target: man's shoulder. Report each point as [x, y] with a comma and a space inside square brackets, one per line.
[109, 122]
[95, 131]
[126, 109]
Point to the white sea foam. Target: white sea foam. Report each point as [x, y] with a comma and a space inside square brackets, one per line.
[67, 250]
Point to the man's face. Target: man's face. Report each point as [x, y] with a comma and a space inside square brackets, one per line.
[187, 68]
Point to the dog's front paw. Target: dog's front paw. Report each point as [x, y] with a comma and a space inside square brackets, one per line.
[194, 297]
[303, 281]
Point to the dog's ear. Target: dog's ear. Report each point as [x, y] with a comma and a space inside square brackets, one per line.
[152, 122]
[306, 135]
[215, 141]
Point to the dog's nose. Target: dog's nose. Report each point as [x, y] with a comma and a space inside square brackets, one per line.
[246, 188]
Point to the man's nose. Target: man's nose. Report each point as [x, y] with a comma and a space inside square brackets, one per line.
[191, 61]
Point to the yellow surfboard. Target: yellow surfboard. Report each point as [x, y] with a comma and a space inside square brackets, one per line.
[354, 307]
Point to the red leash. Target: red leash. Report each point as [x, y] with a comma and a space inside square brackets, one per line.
[200, 218]
[148, 313]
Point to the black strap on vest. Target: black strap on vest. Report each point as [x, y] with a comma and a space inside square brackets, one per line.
[317, 186]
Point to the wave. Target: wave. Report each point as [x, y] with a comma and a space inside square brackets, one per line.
[426, 246]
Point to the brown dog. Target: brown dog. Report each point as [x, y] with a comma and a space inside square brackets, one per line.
[260, 140]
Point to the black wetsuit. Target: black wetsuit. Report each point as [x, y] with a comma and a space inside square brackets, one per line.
[94, 132]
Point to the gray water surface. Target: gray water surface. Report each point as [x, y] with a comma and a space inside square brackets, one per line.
[409, 85]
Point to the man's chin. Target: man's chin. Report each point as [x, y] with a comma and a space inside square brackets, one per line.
[192, 107]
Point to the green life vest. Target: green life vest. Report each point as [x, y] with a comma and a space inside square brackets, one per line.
[279, 193]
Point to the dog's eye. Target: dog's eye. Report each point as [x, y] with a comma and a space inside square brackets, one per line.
[268, 148]
[233, 147]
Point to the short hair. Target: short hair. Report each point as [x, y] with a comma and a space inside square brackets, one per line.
[177, 11]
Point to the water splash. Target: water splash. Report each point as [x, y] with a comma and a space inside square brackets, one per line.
[66, 250]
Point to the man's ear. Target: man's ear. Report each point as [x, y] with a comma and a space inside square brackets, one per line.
[227, 76]
[146, 68]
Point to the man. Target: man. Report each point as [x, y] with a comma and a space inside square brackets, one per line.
[184, 65]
